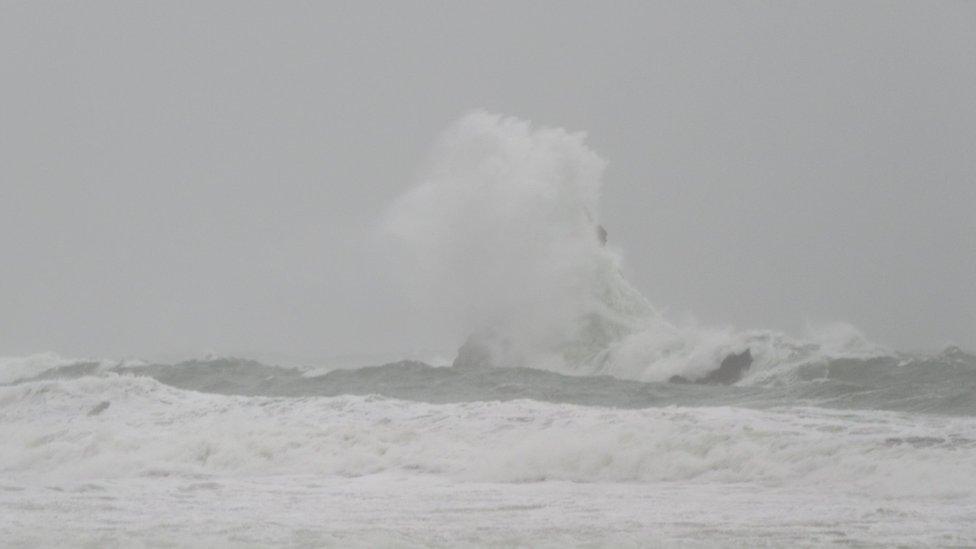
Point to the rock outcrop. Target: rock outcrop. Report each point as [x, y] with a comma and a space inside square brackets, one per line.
[473, 355]
[732, 369]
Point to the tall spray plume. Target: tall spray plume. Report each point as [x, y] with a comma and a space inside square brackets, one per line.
[502, 240]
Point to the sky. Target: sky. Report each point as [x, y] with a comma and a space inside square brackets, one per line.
[192, 178]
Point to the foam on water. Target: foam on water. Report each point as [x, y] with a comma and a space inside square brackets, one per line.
[92, 457]
[572, 435]
[112, 426]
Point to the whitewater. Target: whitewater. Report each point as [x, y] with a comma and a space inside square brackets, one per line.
[575, 411]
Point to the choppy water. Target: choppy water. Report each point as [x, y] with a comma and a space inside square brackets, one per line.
[943, 383]
[860, 452]
[560, 424]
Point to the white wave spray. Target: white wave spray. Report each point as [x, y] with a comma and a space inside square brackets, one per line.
[501, 239]
[126, 426]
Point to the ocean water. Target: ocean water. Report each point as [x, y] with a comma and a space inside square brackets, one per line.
[233, 452]
[575, 413]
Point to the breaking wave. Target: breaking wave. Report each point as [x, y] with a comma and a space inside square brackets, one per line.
[567, 373]
[935, 384]
[112, 426]
[501, 242]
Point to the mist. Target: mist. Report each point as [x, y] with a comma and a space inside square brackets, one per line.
[185, 181]
[488, 274]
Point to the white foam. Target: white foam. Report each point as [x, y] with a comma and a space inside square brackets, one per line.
[499, 239]
[383, 511]
[152, 429]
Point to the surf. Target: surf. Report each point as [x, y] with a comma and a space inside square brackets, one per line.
[502, 243]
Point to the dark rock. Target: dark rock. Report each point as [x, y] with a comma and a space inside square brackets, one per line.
[473, 355]
[731, 370]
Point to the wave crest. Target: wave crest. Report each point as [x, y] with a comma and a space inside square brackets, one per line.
[152, 429]
[502, 240]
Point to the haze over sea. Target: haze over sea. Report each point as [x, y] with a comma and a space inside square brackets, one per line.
[575, 411]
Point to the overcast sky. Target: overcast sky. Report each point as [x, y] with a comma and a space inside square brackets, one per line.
[207, 177]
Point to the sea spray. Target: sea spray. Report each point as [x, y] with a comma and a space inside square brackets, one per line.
[501, 237]
[501, 242]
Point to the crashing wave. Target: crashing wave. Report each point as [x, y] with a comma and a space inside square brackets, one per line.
[51, 431]
[503, 239]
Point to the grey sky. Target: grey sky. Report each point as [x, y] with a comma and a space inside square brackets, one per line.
[206, 177]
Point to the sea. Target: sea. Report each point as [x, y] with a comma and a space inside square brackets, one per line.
[233, 452]
[569, 412]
